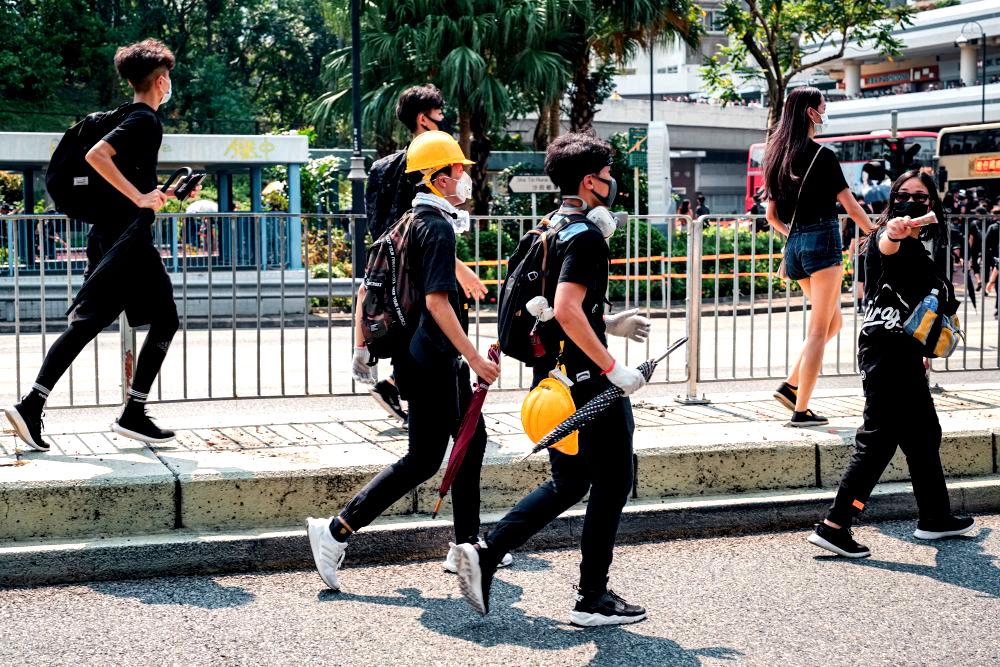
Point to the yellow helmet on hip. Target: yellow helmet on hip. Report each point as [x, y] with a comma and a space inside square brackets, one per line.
[431, 151]
[545, 407]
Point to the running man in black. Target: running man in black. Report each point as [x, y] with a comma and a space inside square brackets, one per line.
[579, 165]
[127, 159]
[388, 195]
[429, 370]
[903, 263]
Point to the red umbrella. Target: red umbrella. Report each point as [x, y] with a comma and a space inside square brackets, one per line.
[466, 430]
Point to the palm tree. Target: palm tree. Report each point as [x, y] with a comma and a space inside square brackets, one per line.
[614, 31]
[485, 55]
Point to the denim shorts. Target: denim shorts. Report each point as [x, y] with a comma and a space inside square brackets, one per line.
[812, 248]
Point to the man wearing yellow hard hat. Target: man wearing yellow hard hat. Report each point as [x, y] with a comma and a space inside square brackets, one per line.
[388, 195]
[579, 165]
[429, 369]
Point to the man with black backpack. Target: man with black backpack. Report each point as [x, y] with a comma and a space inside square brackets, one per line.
[123, 165]
[389, 194]
[418, 325]
[579, 165]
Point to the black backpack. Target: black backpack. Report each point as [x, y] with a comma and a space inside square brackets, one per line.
[534, 270]
[391, 306]
[76, 188]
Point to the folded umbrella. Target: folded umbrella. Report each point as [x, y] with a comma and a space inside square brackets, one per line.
[466, 430]
[597, 405]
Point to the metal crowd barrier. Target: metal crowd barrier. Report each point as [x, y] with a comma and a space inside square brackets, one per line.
[266, 306]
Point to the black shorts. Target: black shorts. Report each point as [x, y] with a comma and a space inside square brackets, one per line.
[139, 285]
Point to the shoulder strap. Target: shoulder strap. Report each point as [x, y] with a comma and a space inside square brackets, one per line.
[796, 209]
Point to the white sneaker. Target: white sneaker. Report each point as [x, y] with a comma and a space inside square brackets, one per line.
[451, 562]
[327, 552]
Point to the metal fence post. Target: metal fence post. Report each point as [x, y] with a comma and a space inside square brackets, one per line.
[128, 355]
[695, 228]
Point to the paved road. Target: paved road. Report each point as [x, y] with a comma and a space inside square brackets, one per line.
[759, 600]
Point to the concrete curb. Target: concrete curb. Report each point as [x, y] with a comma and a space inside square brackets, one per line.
[393, 541]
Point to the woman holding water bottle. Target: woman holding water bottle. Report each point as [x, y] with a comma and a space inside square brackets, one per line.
[906, 259]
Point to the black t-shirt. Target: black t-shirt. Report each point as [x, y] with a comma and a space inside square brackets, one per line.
[583, 255]
[818, 200]
[430, 257]
[136, 141]
[895, 285]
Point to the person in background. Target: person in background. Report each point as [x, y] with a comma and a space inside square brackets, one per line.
[701, 209]
[389, 194]
[804, 182]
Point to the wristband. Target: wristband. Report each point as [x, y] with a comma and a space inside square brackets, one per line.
[892, 240]
[610, 368]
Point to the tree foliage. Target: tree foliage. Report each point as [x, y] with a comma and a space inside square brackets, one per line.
[236, 59]
[775, 40]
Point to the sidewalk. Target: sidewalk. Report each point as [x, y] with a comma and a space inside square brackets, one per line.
[241, 468]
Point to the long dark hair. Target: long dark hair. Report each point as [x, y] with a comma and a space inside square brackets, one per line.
[787, 142]
[935, 232]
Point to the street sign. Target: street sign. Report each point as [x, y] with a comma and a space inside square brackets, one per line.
[527, 184]
[636, 150]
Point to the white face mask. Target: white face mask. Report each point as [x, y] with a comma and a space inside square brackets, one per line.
[462, 222]
[463, 188]
[824, 121]
[166, 95]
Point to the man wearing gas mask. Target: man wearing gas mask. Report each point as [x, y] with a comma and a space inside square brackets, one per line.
[579, 165]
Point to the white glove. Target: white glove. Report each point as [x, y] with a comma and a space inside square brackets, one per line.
[360, 369]
[628, 324]
[628, 379]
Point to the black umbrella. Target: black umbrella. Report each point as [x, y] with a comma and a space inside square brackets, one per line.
[103, 271]
[597, 405]
[970, 288]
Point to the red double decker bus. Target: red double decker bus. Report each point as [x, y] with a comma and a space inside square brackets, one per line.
[853, 151]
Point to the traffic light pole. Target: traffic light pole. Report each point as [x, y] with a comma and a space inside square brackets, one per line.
[357, 173]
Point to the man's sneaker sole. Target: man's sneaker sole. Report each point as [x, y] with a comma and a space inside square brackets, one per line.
[506, 561]
[385, 405]
[470, 577]
[21, 428]
[937, 535]
[135, 435]
[589, 620]
[823, 543]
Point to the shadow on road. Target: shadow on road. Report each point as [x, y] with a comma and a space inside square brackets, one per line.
[960, 561]
[202, 592]
[507, 625]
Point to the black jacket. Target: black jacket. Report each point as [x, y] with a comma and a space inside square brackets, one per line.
[389, 193]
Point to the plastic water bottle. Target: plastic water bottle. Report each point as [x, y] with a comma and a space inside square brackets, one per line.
[919, 324]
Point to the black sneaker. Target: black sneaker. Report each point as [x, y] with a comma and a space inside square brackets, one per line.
[838, 540]
[606, 608]
[786, 395]
[807, 418]
[386, 394]
[136, 424]
[26, 418]
[475, 575]
[947, 527]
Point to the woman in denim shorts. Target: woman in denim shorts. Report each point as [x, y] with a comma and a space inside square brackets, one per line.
[804, 182]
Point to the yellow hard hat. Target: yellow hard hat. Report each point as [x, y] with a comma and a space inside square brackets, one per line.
[545, 407]
[433, 150]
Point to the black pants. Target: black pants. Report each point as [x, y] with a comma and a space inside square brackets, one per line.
[899, 411]
[436, 400]
[604, 467]
[142, 290]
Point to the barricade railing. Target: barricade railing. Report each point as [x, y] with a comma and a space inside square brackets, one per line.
[267, 309]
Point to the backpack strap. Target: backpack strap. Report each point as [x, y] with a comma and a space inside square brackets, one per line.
[551, 231]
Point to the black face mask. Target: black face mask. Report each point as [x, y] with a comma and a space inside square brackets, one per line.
[612, 190]
[443, 125]
[914, 209]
